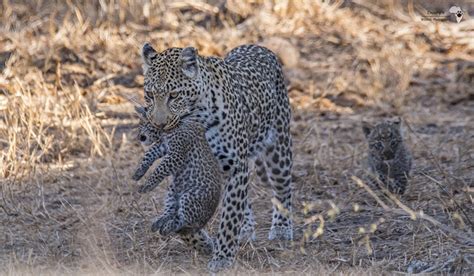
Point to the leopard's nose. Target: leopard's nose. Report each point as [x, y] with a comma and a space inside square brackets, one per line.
[157, 123]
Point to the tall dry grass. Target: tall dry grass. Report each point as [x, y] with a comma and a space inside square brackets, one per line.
[46, 124]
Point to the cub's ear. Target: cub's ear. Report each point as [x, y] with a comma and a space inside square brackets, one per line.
[397, 122]
[367, 128]
[141, 112]
[189, 64]
[148, 54]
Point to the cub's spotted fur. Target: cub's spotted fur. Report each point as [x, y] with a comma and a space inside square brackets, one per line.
[147, 133]
[194, 194]
[388, 159]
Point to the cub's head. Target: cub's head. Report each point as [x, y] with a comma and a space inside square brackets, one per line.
[383, 138]
[173, 84]
[147, 132]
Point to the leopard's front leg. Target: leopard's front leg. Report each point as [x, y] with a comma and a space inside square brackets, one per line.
[157, 150]
[164, 169]
[170, 164]
[227, 242]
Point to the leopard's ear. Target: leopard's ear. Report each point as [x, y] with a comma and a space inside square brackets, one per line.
[397, 122]
[141, 112]
[189, 64]
[148, 55]
[367, 128]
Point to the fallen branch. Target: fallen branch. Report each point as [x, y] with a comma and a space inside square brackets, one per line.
[463, 237]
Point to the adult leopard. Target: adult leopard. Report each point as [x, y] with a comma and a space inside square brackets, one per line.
[243, 103]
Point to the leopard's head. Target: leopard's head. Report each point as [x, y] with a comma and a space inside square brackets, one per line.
[173, 84]
[148, 134]
[383, 138]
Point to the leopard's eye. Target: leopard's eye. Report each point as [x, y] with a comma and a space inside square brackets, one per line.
[376, 146]
[173, 94]
[393, 142]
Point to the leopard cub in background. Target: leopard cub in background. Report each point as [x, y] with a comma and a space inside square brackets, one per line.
[389, 158]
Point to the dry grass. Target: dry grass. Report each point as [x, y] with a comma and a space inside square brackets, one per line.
[66, 135]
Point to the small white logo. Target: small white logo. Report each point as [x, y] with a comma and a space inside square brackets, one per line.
[458, 13]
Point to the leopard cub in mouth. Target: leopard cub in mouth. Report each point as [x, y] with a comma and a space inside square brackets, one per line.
[194, 194]
[389, 158]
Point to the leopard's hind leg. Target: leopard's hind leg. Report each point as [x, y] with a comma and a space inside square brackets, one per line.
[200, 241]
[279, 162]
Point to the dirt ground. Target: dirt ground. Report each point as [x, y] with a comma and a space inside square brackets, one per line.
[68, 147]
